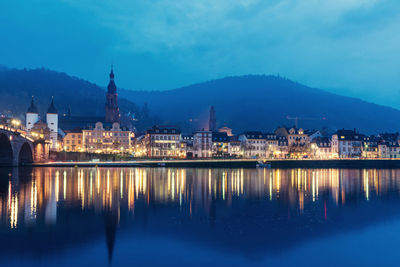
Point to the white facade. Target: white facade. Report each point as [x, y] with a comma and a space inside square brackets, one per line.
[254, 144]
[32, 116]
[387, 150]
[52, 124]
[202, 144]
[346, 144]
[235, 149]
[31, 119]
[113, 140]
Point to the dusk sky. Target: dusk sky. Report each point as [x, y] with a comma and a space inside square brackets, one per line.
[351, 47]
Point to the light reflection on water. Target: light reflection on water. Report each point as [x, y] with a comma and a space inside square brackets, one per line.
[44, 211]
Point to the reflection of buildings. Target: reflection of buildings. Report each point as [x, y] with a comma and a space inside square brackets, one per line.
[104, 190]
[245, 209]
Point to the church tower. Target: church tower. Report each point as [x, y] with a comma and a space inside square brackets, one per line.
[212, 123]
[32, 116]
[112, 110]
[52, 124]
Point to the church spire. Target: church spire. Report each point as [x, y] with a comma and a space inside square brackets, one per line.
[52, 109]
[112, 88]
[212, 123]
[32, 108]
[112, 110]
[112, 72]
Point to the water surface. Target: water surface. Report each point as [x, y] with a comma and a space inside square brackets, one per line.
[169, 216]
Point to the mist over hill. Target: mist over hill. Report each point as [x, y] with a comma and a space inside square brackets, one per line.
[264, 102]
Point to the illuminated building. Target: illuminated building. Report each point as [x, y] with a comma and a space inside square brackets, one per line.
[220, 143]
[52, 123]
[164, 142]
[271, 144]
[226, 130]
[38, 129]
[202, 144]
[139, 146]
[281, 151]
[321, 148]
[253, 144]
[111, 110]
[370, 146]
[389, 150]
[73, 141]
[347, 144]
[388, 145]
[187, 144]
[298, 141]
[32, 116]
[106, 138]
[235, 147]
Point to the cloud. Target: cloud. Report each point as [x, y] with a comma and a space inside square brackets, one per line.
[330, 44]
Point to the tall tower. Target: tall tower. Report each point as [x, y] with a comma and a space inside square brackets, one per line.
[212, 123]
[112, 110]
[52, 124]
[32, 116]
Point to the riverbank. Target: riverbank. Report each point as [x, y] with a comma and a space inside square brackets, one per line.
[235, 163]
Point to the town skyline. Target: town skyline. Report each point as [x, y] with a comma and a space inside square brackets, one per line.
[116, 134]
[199, 133]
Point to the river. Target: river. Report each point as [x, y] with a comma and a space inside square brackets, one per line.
[174, 217]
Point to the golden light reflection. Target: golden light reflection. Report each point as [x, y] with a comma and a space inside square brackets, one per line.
[119, 188]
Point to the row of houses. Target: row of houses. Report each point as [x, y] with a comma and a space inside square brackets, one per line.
[169, 142]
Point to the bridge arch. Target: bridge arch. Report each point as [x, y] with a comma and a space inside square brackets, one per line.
[25, 154]
[6, 150]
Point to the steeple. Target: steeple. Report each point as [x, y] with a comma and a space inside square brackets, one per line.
[112, 72]
[112, 88]
[52, 109]
[32, 108]
[52, 124]
[112, 110]
[32, 116]
[212, 123]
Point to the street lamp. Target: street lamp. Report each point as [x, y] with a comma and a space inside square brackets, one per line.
[16, 123]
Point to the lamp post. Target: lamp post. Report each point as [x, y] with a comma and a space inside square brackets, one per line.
[16, 123]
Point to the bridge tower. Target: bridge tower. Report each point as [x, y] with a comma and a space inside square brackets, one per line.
[52, 124]
[32, 116]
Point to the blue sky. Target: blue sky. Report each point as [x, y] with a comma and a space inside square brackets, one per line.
[351, 47]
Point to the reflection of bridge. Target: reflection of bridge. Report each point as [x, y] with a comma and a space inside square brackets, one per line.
[238, 211]
[16, 148]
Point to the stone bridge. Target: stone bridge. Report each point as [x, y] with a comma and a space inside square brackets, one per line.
[18, 149]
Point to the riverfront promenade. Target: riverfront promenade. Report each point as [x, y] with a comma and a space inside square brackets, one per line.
[236, 163]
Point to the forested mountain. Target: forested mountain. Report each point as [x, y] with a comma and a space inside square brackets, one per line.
[252, 102]
[79, 96]
[264, 102]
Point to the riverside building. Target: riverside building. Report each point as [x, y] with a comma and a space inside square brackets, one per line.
[164, 142]
[107, 138]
